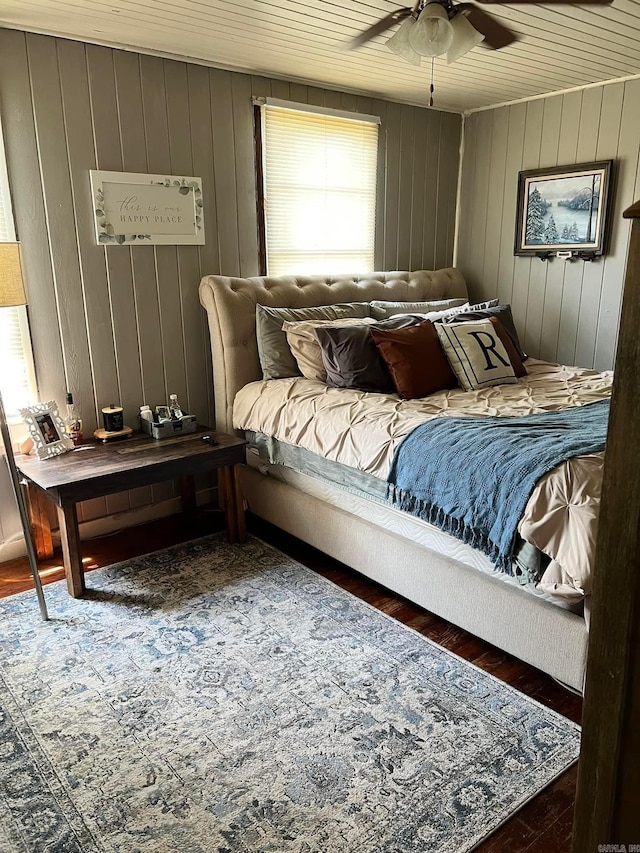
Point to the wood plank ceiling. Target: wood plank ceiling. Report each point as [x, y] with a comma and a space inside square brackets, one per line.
[559, 47]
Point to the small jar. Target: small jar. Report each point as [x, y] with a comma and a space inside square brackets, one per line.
[113, 418]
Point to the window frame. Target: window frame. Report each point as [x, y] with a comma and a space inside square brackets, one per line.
[259, 104]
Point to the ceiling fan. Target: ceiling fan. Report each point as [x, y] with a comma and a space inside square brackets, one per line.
[434, 27]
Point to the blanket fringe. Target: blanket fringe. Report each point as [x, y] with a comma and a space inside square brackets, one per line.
[456, 527]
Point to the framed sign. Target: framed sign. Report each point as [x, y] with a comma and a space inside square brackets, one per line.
[46, 429]
[563, 210]
[136, 209]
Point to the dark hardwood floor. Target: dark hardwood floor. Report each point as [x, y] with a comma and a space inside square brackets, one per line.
[541, 826]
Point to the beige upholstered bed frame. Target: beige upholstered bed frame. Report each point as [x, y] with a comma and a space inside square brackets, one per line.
[532, 629]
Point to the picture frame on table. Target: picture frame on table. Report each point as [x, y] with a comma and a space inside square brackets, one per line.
[564, 210]
[46, 429]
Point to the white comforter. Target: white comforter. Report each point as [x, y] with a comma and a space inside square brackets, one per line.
[362, 430]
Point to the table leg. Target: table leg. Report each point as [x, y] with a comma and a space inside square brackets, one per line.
[239, 504]
[38, 504]
[233, 503]
[188, 493]
[70, 536]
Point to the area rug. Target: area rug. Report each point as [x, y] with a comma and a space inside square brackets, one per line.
[215, 698]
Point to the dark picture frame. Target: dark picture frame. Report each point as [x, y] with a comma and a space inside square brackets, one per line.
[564, 210]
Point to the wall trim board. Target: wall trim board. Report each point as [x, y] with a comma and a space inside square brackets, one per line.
[12, 549]
[567, 91]
[456, 225]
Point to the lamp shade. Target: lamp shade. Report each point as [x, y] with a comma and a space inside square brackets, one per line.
[433, 33]
[399, 42]
[465, 36]
[11, 279]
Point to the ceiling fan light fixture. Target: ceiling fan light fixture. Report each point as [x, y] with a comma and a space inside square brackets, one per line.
[400, 42]
[465, 37]
[432, 33]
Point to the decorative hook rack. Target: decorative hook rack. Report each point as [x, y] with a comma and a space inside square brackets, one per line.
[567, 256]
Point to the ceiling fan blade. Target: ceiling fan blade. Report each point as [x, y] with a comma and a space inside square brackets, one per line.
[380, 27]
[496, 35]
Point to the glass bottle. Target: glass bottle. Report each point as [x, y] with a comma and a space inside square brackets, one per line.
[72, 423]
[175, 409]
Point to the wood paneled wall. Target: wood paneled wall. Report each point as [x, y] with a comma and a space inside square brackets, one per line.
[566, 312]
[124, 324]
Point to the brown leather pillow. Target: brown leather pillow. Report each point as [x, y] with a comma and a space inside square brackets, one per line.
[415, 359]
[516, 362]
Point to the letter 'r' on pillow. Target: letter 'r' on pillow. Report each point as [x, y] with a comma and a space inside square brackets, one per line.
[502, 312]
[415, 360]
[476, 354]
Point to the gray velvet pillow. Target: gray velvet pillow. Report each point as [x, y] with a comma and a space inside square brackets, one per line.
[381, 310]
[276, 359]
[351, 358]
[502, 312]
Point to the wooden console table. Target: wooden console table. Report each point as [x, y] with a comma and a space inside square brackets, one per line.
[95, 470]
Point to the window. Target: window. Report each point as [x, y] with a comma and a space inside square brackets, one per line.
[17, 377]
[319, 170]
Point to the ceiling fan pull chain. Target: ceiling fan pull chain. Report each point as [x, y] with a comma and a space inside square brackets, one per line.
[431, 87]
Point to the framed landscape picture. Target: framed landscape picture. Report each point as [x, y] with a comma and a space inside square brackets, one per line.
[563, 209]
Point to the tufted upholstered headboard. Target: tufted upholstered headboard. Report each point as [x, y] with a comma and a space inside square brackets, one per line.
[231, 309]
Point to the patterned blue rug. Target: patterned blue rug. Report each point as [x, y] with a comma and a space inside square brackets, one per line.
[216, 698]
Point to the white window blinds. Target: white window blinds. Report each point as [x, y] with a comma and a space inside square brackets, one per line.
[319, 190]
[17, 379]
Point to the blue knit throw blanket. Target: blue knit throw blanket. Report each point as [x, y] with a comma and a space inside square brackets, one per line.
[472, 477]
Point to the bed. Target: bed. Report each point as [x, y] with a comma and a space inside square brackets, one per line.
[319, 491]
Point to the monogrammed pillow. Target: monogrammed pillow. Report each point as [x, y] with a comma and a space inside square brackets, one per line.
[476, 354]
[502, 312]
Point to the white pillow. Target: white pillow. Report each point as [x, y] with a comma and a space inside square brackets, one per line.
[476, 354]
[434, 316]
[382, 309]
